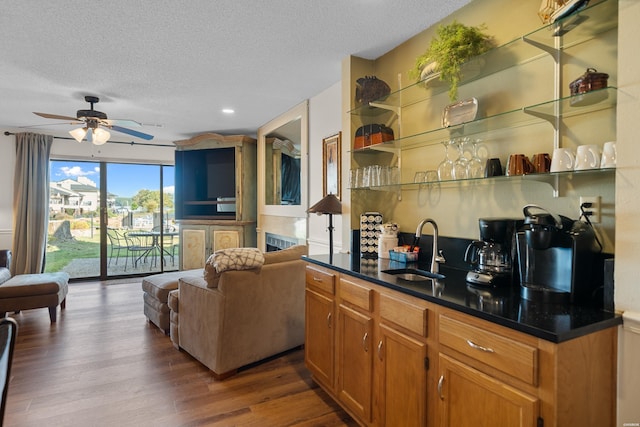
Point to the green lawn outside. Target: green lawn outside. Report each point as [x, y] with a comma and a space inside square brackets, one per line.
[61, 253]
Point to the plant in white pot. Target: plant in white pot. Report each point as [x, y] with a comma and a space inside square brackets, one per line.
[454, 45]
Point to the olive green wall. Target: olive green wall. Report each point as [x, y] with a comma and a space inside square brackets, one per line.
[457, 206]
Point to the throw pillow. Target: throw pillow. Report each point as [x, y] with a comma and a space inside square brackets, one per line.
[231, 259]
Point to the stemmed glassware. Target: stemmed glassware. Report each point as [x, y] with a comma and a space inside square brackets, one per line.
[460, 166]
[445, 169]
[475, 166]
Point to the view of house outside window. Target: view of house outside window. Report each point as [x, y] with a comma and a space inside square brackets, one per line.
[141, 233]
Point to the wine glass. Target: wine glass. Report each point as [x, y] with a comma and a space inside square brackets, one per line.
[475, 166]
[445, 168]
[460, 165]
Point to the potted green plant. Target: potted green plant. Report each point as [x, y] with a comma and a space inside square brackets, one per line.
[454, 45]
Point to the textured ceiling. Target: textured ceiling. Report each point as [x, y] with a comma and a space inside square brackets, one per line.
[174, 65]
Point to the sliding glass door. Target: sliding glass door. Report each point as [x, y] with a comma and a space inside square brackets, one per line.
[136, 232]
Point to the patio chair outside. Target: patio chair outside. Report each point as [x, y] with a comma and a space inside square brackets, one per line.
[117, 243]
[140, 246]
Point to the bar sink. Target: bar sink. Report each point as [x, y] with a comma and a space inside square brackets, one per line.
[413, 274]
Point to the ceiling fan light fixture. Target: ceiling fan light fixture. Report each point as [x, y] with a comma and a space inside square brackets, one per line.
[100, 136]
[78, 134]
[93, 119]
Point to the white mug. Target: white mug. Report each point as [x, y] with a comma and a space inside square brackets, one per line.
[609, 155]
[587, 157]
[562, 160]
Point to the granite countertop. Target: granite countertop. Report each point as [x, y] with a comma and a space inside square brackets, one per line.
[503, 306]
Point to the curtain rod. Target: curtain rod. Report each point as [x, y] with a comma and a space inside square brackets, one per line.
[7, 133]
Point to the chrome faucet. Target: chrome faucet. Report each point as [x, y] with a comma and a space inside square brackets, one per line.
[436, 256]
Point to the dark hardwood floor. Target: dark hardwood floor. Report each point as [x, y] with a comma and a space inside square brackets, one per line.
[102, 364]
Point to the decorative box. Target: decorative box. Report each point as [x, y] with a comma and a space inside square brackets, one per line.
[371, 135]
[590, 80]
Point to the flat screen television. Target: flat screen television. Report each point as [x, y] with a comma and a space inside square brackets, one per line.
[205, 184]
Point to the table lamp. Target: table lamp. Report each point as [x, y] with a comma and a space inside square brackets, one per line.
[329, 205]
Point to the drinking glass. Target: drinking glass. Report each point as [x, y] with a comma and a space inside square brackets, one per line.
[354, 177]
[461, 163]
[445, 169]
[475, 167]
[394, 176]
[366, 177]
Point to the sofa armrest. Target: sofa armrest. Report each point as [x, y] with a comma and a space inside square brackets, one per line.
[5, 258]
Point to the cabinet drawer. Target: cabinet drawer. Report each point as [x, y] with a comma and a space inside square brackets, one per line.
[404, 314]
[502, 353]
[358, 295]
[320, 279]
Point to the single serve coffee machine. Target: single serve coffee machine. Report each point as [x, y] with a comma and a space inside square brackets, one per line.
[556, 258]
[492, 257]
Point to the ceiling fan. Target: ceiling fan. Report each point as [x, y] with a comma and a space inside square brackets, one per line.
[94, 123]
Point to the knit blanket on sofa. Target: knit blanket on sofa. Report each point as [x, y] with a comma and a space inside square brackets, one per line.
[231, 259]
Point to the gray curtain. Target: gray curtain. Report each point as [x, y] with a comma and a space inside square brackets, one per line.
[30, 202]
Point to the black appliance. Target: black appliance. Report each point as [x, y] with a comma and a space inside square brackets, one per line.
[556, 257]
[492, 257]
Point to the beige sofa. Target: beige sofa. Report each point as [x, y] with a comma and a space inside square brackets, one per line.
[245, 317]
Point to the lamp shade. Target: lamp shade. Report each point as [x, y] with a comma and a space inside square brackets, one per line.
[100, 136]
[97, 135]
[328, 205]
[78, 134]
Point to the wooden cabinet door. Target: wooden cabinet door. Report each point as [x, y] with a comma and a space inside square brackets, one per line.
[403, 379]
[355, 361]
[319, 346]
[192, 247]
[470, 398]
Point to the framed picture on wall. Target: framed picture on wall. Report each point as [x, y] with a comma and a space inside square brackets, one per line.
[331, 165]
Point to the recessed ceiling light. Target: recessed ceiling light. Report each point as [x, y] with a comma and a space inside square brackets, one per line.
[228, 110]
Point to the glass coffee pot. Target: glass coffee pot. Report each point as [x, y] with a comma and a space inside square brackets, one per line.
[491, 257]
[488, 257]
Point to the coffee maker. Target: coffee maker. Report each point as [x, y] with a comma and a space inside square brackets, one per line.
[556, 258]
[492, 257]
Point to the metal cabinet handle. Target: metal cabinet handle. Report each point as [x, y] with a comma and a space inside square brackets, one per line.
[440, 384]
[479, 347]
[380, 350]
[317, 279]
[329, 320]
[364, 341]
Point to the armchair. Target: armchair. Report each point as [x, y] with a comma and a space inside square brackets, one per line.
[244, 316]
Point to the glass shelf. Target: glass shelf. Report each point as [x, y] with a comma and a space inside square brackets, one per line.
[574, 29]
[569, 106]
[548, 178]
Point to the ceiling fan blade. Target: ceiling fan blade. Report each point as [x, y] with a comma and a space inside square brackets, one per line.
[122, 122]
[75, 123]
[131, 132]
[57, 117]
